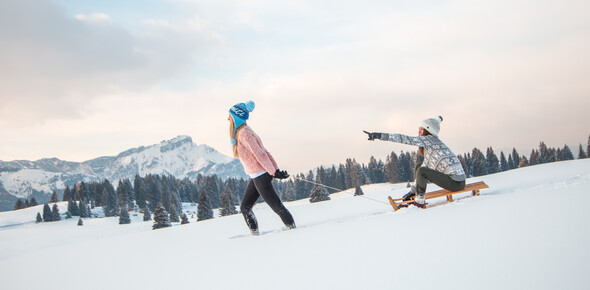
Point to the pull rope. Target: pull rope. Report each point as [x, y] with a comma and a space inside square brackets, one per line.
[340, 190]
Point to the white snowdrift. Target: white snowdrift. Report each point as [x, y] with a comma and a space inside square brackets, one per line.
[529, 230]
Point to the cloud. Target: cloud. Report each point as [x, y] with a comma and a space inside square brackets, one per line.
[93, 17]
[56, 66]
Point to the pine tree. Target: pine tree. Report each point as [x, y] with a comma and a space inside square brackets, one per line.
[534, 158]
[362, 175]
[479, 163]
[375, 170]
[153, 191]
[306, 185]
[205, 211]
[54, 198]
[468, 164]
[147, 216]
[503, 162]
[67, 194]
[82, 192]
[19, 204]
[47, 214]
[339, 180]
[405, 167]
[358, 191]
[80, 222]
[321, 175]
[139, 191]
[161, 219]
[124, 216]
[73, 208]
[566, 153]
[174, 217]
[581, 154]
[546, 154]
[492, 163]
[83, 207]
[55, 213]
[184, 219]
[94, 193]
[523, 162]
[288, 193]
[227, 204]
[122, 195]
[331, 178]
[166, 195]
[110, 202]
[319, 193]
[515, 158]
[68, 215]
[39, 218]
[391, 172]
[33, 202]
[215, 193]
[177, 202]
[128, 188]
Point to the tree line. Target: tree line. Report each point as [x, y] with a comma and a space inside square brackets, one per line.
[400, 168]
[147, 194]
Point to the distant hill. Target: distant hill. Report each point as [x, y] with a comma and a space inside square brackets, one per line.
[179, 157]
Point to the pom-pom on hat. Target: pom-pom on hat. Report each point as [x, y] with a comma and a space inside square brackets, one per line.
[432, 125]
[240, 113]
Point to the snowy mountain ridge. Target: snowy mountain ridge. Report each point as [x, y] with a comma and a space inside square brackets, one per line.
[179, 157]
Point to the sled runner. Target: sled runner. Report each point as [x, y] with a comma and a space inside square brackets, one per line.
[473, 187]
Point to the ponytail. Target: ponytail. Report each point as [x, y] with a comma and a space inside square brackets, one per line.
[232, 129]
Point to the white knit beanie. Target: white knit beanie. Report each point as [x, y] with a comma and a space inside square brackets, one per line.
[432, 125]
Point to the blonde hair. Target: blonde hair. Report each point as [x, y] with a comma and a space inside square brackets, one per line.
[232, 126]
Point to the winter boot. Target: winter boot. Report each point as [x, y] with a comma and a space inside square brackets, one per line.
[419, 200]
[410, 195]
[291, 226]
[255, 232]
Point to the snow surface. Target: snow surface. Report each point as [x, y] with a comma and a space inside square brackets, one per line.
[529, 230]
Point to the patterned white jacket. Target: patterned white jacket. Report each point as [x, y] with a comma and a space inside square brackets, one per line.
[437, 155]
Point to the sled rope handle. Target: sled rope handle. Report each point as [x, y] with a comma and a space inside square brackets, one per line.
[340, 190]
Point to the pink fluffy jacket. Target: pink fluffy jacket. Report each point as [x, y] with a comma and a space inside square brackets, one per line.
[254, 157]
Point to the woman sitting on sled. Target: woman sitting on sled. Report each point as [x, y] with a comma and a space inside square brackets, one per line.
[440, 166]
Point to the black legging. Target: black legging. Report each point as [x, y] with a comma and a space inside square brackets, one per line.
[424, 174]
[262, 186]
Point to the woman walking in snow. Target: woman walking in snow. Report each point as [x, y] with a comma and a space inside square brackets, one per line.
[440, 166]
[259, 165]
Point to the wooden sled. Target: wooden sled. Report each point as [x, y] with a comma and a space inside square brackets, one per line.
[473, 187]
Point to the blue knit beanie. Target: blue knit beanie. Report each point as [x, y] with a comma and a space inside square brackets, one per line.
[240, 113]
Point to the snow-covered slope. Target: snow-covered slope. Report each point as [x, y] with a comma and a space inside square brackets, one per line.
[179, 157]
[529, 230]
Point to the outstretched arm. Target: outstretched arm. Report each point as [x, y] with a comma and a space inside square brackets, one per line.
[421, 141]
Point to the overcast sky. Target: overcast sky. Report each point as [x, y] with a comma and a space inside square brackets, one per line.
[82, 79]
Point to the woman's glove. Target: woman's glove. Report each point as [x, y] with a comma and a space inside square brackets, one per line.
[281, 174]
[373, 136]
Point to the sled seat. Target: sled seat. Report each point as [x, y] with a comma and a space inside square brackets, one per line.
[473, 187]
